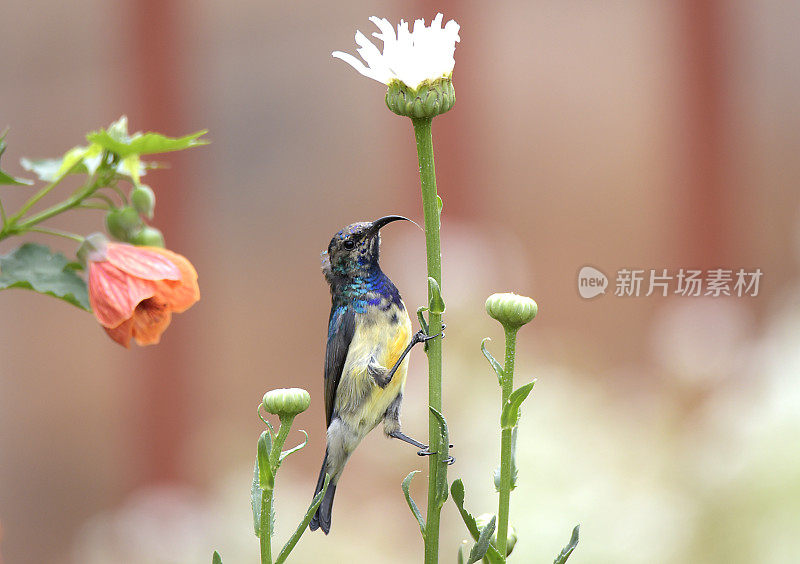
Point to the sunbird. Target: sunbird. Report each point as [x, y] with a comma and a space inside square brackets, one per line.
[366, 360]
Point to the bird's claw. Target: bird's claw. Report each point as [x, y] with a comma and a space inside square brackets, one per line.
[427, 452]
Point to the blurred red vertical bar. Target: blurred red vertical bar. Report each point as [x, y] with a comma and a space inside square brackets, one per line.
[705, 208]
[453, 139]
[157, 103]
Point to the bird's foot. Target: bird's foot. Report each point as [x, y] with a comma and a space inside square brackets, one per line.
[427, 452]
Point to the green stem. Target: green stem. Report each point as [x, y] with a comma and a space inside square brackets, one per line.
[437, 477]
[505, 446]
[265, 533]
[41, 194]
[57, 233]
[3, 214]
[265, 530]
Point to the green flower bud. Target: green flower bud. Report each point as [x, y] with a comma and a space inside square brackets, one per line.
[511, 539]
[286, 401]
[144, 200]
[428, 100]
[148, 236]
[511, 310]
[122, 223]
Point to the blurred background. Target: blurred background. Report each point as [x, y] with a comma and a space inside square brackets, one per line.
[615, 134]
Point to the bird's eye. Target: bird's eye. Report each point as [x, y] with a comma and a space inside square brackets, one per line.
[349, 244]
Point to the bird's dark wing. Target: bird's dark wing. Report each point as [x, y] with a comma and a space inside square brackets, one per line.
[340, 332]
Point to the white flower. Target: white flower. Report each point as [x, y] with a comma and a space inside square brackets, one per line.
[410, 56]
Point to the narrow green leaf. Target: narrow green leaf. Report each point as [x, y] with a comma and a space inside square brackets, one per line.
[457, 490]
[514, 470]
[216, 559]
[439, 204]
[411, 504]
[266, 477]
[482, 545]
[303, 526]
[35, 267]
[423, 323]
[144, 143]
[441, 487]
[5, 178]
[510, 415]
[573, 542]
[286, 453]
[435, 301]
[255, 499]
[494, 364]
[461, 554]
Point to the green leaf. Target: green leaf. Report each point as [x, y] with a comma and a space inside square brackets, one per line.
[482, 545]
[495, 365]
[266, 476]
[439, 206]
[461, 554]
[6, 178]
[510, 415]
[573, 542]
[255, 500]
[286, 453]
[457, 490]
[303, 526]
[514, 470]
[216, 559]
[116, 140]
[441, 487]
[435, 301]
[35, 267]
[411, 504]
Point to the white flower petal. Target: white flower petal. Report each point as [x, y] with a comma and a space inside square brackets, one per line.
[411, 56]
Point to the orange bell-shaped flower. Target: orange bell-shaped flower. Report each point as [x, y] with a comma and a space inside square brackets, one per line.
[133, 291]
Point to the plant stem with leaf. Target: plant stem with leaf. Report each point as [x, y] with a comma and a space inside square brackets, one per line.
[437, 469]
[506, 445]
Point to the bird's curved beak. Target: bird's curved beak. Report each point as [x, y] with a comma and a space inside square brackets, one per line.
[380, 222]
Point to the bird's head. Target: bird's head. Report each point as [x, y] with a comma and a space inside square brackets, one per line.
[353, 251]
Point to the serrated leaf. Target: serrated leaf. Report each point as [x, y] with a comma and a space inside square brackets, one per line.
[255, 500]
[510, 415]
[514, 470]
[35, 267]
[567, 551]
[144, 143]
[457, 491]
[216, 559]
[435, 301]
[411, 504]
[482, 545]
[292, 450]
[494, 364]
[5, 178]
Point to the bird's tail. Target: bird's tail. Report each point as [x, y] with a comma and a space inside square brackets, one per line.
[322, 518]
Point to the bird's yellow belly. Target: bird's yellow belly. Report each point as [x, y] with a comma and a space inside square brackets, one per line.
[380, 337]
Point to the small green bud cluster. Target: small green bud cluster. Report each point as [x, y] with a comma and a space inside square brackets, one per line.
[482, 520]
[428, 100]
[286, 401]
[125, 224]
[511, 310]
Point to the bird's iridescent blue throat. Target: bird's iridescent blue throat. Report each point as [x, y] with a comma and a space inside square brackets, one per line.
[351, 268]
